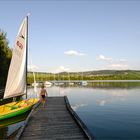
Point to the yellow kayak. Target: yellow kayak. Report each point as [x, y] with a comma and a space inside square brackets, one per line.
[16, 108]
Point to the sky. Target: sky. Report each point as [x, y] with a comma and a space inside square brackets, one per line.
[80, 35]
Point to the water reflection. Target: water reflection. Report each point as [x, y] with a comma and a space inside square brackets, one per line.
[65, 91]
[9, 126]
[119, 95]
[110, 110]
[77, 106]
[127, 85]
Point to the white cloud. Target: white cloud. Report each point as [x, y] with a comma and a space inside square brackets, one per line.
[32, 67]
[102, 57]
[62, 69]
[74, 53]
[113, 63]
[118, 66]
[123, 60]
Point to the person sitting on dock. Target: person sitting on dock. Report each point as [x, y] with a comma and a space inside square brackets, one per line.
[43, 94]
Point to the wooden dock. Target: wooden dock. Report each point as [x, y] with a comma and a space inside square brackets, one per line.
[56, 121]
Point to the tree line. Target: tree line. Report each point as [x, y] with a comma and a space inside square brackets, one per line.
[118, 75]
[5, 58]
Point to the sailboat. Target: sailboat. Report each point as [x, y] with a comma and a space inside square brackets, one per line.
[16, 84]
[48, 84]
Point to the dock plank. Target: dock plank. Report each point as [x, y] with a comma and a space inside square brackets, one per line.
[52, 122]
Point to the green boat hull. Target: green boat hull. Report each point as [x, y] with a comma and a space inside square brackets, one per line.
[15, 113]
[13, 120]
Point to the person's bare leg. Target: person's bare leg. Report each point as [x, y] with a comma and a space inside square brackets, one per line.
[44, 102]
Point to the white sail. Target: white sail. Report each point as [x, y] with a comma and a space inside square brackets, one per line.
[16, 81]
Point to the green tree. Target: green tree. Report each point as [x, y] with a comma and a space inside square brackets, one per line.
[5, 57]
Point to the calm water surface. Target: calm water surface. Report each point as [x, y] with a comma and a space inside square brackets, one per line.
[110, 112]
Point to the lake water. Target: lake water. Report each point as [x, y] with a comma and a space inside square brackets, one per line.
[109, 110]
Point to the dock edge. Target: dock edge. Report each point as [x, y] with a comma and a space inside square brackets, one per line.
[78, 120]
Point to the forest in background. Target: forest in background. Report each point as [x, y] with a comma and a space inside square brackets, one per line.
[87, 75]
[5, 57]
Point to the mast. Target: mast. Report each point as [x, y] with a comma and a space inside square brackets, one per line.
[26, 53]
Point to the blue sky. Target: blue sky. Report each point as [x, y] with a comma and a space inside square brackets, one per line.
[77, 35]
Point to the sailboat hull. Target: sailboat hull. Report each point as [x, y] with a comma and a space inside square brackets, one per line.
[13, 120]
[16, 108]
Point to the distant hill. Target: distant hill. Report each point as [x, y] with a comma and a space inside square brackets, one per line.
[113, 72]
[109, 74]
[88, 75]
